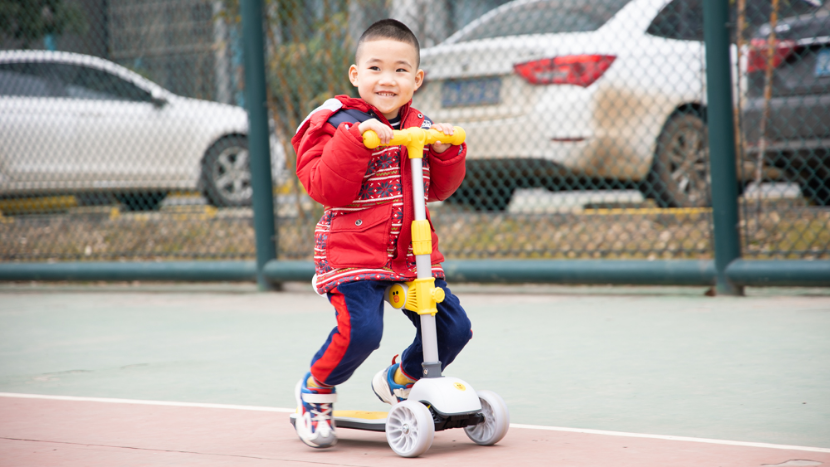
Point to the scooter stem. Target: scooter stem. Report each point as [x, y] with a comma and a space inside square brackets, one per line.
[425, 295]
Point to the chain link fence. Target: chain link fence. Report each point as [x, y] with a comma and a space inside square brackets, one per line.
[124, 135]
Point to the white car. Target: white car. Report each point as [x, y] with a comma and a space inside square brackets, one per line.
[610, 93]
[72, 123]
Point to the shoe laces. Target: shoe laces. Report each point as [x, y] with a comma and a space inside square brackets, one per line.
[320, 412]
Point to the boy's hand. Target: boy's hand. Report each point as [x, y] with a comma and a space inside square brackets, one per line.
[383, 131]
[448, 130]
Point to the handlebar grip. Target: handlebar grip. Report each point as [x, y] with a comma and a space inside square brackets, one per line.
[371, 139]
[457, 138]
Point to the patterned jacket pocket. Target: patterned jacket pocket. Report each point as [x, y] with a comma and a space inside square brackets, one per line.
[359, 239]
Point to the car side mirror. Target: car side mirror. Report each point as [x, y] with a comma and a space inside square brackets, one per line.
[158, 100]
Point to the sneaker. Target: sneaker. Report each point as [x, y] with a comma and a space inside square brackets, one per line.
[314, 423]
[385, 387]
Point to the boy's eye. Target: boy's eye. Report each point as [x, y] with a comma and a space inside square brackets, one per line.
[402, 70]
[374, 68]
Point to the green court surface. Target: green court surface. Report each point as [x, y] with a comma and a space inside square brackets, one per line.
[664, 361]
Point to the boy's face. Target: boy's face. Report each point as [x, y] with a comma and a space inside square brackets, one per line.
[386, 74]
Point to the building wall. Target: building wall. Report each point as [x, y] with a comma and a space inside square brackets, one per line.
[168, 42]
[92, 42]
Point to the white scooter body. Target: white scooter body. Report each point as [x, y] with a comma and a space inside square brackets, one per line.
[446, 395]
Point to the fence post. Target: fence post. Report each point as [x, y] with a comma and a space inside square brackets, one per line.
[258, 139]
[721, 142]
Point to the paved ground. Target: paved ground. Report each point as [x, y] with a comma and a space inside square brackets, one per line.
[656, 361]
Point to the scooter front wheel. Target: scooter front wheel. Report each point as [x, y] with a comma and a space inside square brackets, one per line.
[410, 429]
[496, 420]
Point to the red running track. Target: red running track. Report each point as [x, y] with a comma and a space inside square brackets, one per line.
[54, 432]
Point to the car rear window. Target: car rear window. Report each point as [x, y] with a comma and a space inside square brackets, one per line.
[545, 17]
[683, 19]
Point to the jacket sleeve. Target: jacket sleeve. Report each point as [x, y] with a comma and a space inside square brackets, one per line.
[331, 163]
[446, 171]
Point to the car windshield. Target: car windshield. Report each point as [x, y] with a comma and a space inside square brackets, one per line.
[546, 17]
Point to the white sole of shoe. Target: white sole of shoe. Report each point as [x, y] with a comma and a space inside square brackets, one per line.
[381, 388]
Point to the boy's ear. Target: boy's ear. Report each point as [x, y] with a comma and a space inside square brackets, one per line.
[419, 79]
[353, 75]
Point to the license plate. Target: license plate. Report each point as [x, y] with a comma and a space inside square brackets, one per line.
[469, 92]
[823, 63]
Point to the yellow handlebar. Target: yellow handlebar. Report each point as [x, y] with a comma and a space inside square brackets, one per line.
[415, 137]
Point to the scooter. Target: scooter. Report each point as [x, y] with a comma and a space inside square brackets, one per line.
[435, 402]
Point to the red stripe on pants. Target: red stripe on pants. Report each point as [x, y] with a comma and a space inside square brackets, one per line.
[323, 367]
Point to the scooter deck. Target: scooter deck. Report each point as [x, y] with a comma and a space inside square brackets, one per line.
[356, 420]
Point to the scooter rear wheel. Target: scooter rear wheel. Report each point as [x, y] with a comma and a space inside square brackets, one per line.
[496, 420]
[410, 429]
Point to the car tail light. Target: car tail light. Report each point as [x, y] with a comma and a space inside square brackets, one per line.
[757, 59]
[580, 70]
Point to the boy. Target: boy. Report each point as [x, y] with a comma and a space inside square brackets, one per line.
[363, 240]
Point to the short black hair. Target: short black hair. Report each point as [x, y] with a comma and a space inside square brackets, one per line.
[390, 29]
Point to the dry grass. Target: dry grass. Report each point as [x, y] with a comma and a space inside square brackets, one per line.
[201, 233]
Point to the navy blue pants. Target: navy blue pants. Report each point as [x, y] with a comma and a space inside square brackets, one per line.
[359, 311]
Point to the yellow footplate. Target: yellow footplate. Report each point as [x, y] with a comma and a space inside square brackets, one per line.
[360, 420]
[360, 414]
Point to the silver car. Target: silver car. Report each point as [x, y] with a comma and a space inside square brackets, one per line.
[563, 93]
[78, 124]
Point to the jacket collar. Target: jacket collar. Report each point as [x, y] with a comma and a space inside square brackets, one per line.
[363, 106]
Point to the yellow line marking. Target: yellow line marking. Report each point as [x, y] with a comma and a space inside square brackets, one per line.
[191, 212]
[184, 194]
[647, 211]
[40, 204]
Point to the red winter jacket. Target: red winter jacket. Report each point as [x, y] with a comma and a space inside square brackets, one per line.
[367, 194]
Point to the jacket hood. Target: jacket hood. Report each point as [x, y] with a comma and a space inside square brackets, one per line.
[319, 116]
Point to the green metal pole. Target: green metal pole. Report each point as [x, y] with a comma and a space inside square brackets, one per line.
[258, 147]
[582, 271]
[721, 142]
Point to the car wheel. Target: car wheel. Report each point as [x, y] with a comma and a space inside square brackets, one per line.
[679, 175]
[226, 173]
[141, 200]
